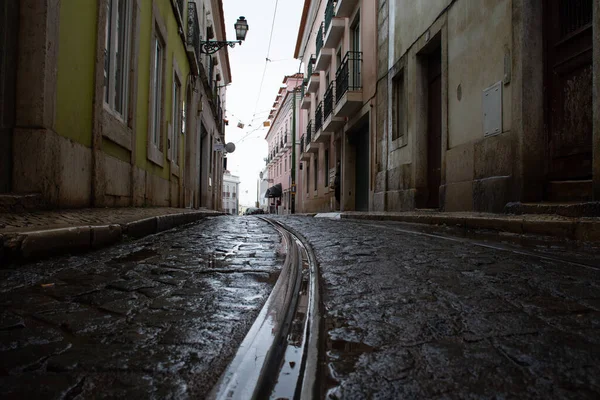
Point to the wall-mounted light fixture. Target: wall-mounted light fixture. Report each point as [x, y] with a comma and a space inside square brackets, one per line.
[212, 46]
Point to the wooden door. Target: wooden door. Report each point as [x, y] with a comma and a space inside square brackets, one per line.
[9, 17]
[434, 128]
[568, 37]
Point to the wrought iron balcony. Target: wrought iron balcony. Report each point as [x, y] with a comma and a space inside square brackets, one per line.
[319, 41]
[328, 106]
[193, 38]
[348, 75]
[329, 13]
[302, 143]
[319, 117]
[308, 133]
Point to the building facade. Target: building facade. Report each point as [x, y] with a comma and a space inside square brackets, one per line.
[486, 104]
[231, 190]
[112, 103]
[285, 120]
[337, 43]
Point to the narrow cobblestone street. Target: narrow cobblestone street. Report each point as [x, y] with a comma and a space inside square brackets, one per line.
[407, 314]
[155, 318]
[413, 316]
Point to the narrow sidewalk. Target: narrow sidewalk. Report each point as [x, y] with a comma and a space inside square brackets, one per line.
[572, 228]
[35, 234]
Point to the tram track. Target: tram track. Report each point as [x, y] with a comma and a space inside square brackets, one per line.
[278, 358]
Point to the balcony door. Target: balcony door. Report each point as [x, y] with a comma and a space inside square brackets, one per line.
[9, 17]
[569, 112]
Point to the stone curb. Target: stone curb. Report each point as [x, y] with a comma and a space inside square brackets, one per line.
[587, 230]
[29, 246]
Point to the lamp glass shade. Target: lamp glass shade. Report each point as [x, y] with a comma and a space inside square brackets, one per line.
[241, 28]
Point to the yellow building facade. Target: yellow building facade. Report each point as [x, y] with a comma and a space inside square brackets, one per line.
[113, 102]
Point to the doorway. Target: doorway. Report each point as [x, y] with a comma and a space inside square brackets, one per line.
[361, 145]
[9, 18]
[569, 111]
[434, 128]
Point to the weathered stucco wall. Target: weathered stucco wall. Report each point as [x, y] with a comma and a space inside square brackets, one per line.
[412, 18]
[479, 37]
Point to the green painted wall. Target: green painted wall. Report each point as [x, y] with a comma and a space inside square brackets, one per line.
[115, 150]
[175, 50]
[76, 58]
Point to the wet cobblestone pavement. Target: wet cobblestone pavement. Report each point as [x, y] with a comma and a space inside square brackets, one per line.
[414, 316]
[154, 318]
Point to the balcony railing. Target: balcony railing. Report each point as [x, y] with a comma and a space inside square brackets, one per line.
[328, 105]
[348, 75]
[329, 13]
[302, 143]
[193, 33]
[319, 117]
[308, 133]
[319, 42]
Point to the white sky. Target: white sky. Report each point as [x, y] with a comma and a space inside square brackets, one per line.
[247, 65]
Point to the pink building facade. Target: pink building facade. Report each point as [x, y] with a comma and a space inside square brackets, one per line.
[283, 134]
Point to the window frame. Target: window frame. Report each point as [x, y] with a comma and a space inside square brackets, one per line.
[110, 60]
[159, 33]
[176, 123]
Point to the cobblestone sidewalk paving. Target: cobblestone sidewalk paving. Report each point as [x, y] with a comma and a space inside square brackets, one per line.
[410, 316]
[155, 318]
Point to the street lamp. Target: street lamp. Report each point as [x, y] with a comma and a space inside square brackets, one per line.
[212, 46]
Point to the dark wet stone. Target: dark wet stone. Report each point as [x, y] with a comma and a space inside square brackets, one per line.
[41, 386]
[10, 321]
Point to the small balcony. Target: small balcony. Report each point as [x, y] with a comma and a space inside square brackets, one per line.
[193, 39]
[318, 135]
[287, 141]
[319, 40]
[309, 144]
[334, 26]
[306, 102]
[331, 123]
[313, 77]
[344, 8]
[324, 59]
[348, 85]
[304, 156]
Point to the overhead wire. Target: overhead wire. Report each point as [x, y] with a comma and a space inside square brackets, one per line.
[266, 58]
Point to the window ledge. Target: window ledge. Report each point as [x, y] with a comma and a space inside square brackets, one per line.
[175, 169]
[399, 143]
[115, 129]
[155, 155]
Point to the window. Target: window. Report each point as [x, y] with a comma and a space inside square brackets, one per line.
[398, 107]
[176, 117]
[157, 85]
[326, 170]
[117, 54]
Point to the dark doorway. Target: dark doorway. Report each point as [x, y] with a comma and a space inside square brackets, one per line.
[434, 128]
[361, 143]
[9, 17]
[202, 176]
[568, 82]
